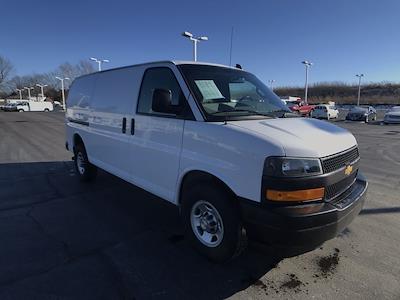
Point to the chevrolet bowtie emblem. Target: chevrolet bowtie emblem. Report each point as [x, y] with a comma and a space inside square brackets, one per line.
[348, 170]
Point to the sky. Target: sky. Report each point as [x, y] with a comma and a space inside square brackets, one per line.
[271, 37]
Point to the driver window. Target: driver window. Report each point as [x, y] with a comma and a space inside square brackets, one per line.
[158, 78]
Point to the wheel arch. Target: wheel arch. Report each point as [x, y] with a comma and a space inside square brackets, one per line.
[203, 177]
[77, 140]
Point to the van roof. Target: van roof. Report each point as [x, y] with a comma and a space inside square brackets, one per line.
[175, 62]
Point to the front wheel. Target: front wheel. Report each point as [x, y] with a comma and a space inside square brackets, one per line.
[46, 110]
[84, 169]
[212, 222]
[20, 110]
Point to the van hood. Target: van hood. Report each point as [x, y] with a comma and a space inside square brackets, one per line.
[301, 136]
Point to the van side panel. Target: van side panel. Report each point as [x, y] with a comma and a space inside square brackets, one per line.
[231, 154]
[78, 109]
[114, 99]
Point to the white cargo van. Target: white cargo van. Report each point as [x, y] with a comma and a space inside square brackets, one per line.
[34, 106]
[220, 145]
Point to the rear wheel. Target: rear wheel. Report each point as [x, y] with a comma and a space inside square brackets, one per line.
[46, 110]
[212, 222]
[84, 169]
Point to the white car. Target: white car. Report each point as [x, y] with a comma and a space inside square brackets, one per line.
[324, 111]
[35, 106]
[217, 143]
[392, 115]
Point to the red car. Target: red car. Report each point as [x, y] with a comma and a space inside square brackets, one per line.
[300, 107]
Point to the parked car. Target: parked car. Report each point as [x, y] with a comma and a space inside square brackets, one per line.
[216, 142]
[300, 107]
[10, 107]
[392, 115]
[325, 111]
[34, 106]
[361, 113]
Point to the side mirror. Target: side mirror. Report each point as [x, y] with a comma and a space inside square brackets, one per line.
[162, 102]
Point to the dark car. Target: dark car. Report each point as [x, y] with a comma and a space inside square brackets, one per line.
[362, 113]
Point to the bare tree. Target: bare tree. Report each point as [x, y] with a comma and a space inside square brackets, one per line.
[85, 67]
[6, 68]
[69, 70]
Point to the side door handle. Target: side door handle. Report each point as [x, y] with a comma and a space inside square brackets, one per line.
[132, 126]
[123, 125]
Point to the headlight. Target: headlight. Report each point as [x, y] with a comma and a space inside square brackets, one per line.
[292, 167]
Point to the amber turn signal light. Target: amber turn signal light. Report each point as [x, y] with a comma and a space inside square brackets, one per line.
[298, 195]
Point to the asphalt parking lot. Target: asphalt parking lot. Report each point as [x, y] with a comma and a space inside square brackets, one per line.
[61, 239]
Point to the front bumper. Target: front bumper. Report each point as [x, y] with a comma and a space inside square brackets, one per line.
[306, 224]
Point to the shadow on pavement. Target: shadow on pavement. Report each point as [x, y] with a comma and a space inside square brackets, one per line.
[108, 239]
[382, 210]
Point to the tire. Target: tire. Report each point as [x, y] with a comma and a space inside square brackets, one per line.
[83, 168]
[210, 206]
[46, 110]
[366, 119]
[20, 110]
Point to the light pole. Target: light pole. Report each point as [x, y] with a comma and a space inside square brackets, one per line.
[20, 93]
[29, 91]
[359, 87]
[195, 41]
[271, 83]
[99, 61]
[42, 86]
[308, 65]
[62, 89]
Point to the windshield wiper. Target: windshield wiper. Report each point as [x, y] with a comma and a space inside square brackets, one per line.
[241, 110]
[284, 113]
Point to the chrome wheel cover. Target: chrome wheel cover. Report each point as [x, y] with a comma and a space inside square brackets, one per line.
[207, 224]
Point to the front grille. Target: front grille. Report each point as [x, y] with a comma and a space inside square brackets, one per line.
[338, 188]
[337, 161]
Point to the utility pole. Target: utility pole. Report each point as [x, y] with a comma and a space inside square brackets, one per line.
[271, 84]
[29, 92]
[307, 65]
[20, 93]
[195, 40]
[359, 87]
[62, 89]
[42, 86]
[99, 61]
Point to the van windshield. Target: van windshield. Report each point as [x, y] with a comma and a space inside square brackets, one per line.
[230, 94]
